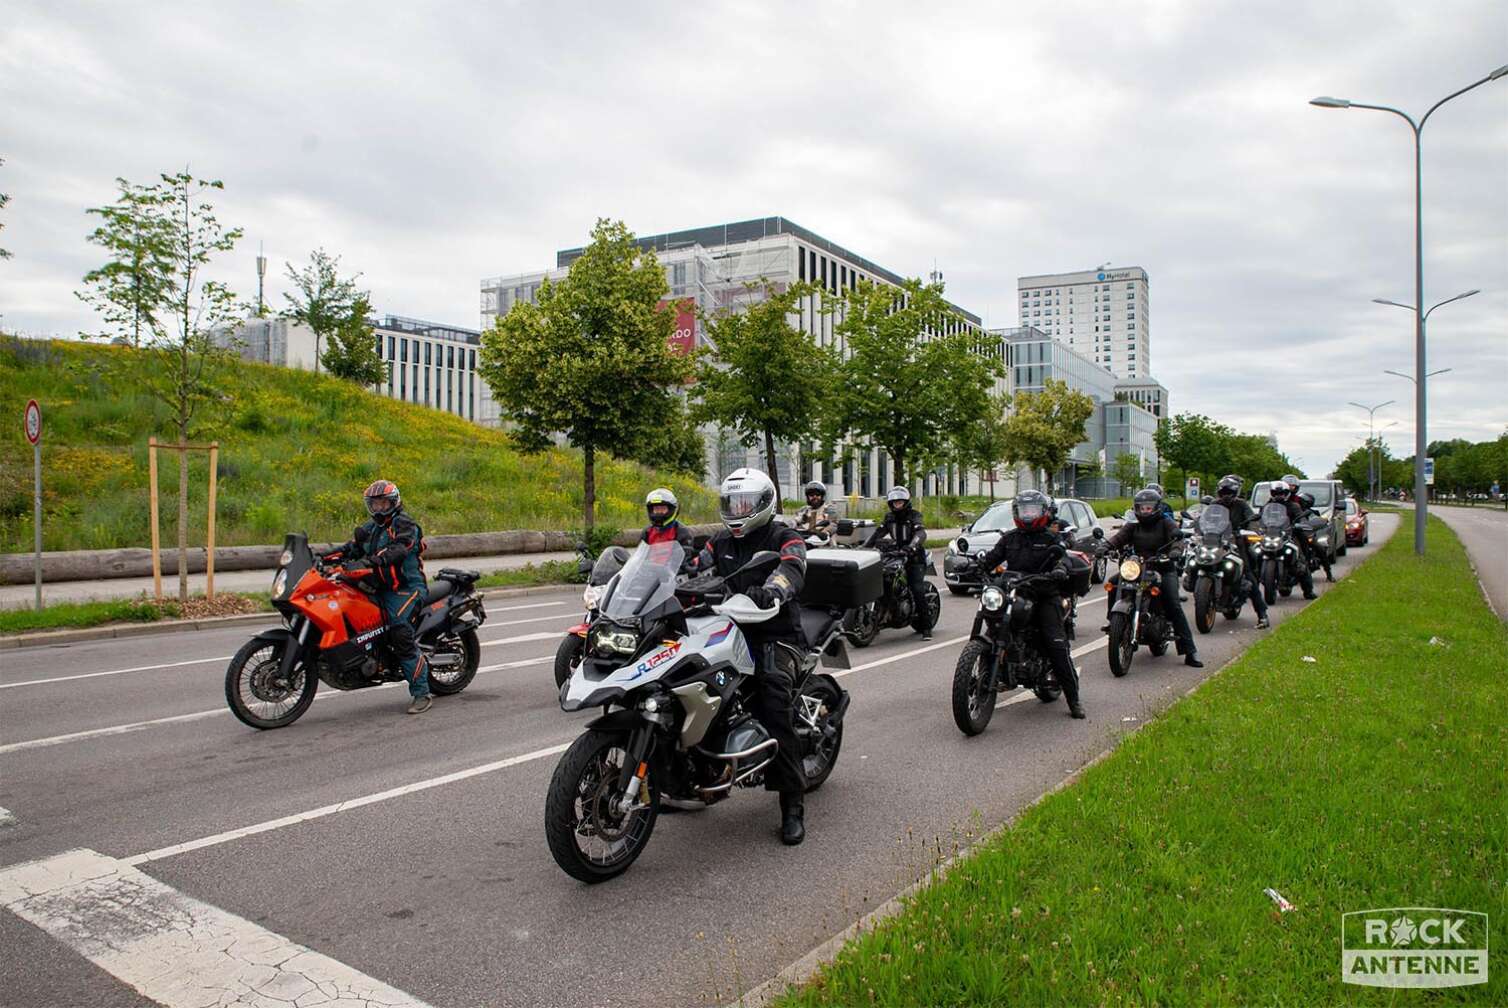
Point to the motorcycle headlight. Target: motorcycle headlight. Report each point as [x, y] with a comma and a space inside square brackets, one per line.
[286, 558]
[1270, 542]
[991, 599]
[591, 595]
[1130, 570]
[1230, 564]
[279, 583]
[608, 639]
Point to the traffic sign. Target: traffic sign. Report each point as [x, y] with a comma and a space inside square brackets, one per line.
[1429, 471]
[33, 421]
[1192, 489]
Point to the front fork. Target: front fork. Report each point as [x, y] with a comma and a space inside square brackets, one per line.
[635, 766]
[297, 643]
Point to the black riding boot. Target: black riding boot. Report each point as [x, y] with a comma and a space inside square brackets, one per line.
[792, 824]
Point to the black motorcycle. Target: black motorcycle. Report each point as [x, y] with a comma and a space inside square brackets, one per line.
[894, 608]
[1216, 568]
[1282, 560]
[1135, 619]
[1004, 651]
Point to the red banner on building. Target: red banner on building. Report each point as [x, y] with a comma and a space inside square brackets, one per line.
[683, 340]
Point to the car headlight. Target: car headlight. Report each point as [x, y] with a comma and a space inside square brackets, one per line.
[279, 583]
[609, 639]
[991, 599]
[1130, 570]
[591, 595]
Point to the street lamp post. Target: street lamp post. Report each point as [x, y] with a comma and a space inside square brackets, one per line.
[1419, 404]
[1371, 433]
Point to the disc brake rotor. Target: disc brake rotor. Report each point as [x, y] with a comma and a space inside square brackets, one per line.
[265, 684]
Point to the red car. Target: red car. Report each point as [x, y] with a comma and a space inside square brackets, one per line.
[1356, 523]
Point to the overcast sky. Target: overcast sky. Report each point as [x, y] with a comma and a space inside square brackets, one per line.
[431, 145]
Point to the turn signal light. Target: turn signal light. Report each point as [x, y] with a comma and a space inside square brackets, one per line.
[1110, 586]
[1155, 591]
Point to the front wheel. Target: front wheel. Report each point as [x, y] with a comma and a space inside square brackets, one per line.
[934, 603]
[973, 700]
[863, 624]
[1122, 647]
[567, 657]
[1204, 605]
[1100, 569]
[256, 692]
[448, 681]
[818, 702]
[1270, 581]
[591, 835]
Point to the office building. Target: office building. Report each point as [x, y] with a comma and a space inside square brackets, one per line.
[1103, 314]
[277, 341]
[1146, 392]
[710, 268]
[434, 365]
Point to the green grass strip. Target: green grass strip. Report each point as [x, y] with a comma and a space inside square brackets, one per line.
[88, 614]
[1373, 777]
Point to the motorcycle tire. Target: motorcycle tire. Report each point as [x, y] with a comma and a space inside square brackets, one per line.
[1204, 605]
[862, 625]
[1158, 649]
[934, 603]
[973, 703]
[1270, 582]
[1329, 574]
[302, 689]
[1048, 694]
[471, 651]
[1285, 590]
[1100, 570]
[586, 773]
[1122, 647]
[567, 657]
[1341, 551]
[817, 764]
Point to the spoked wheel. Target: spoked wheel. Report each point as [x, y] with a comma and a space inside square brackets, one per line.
[934, 603]
[446, 681]
[1270, 581]
[591, 835]
[822, 739]
[567, 657]
[1099, 571]
[863, 624]
[1122, 647]
[973, 701]
[1204, 605]
[256, 692]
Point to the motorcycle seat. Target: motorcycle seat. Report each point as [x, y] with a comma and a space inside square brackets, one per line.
[438, 588]
[816, 624]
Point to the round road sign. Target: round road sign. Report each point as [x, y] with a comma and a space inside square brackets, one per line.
[33, 421]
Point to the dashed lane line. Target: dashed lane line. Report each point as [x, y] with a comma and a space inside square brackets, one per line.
[174, 949]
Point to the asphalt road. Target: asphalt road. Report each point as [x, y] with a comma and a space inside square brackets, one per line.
[445, 889]
[1484, 532]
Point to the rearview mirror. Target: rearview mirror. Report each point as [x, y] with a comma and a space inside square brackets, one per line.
[1098, 532]
[763, 560]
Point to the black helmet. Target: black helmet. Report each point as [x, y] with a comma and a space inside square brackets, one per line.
[1147, 506]
[383, 501]
[816, 488]
[1230, 486]
[1032, 510]
[1306, 500]
[1155, 488]
[661, 506]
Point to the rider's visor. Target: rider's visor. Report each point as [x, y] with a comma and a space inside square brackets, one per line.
[1147, 509]
[379, 505]
[741, 503]
[1030, 513]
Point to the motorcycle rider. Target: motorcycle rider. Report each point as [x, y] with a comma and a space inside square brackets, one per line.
[391, 542]
[746, 504]
[1150, 532]
[1167, 508]
[1282, 492]
[662, 507]
[814, 517]
[1228, 496]
[903, 524]
[1033, 548]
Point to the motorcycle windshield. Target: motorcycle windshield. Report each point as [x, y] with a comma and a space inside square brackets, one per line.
[609, 563]
[1213, 524]
[646, 581]
[1275, 517]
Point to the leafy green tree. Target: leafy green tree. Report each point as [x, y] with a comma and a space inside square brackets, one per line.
[761, 376]
[591, 360]
[1126, 470]
[911, 380]
[352, 350]
[984, 445]
[178, 363]
[1045, 426]
[137, 281]
[1194, 445]
[323, 300]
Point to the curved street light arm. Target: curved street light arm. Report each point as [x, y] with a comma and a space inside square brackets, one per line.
[1492, 76]
[1397, 112]
[1465, 294]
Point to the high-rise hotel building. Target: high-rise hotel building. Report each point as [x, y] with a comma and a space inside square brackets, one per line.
[1103, 314]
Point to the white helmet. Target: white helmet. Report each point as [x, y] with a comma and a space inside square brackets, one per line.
[897, 493]
[662, 498]
[746, 500]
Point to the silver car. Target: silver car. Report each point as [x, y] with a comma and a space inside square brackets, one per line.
[961, 570]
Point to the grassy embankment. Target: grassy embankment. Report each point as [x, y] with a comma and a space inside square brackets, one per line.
[296, 449]
[1371, 777]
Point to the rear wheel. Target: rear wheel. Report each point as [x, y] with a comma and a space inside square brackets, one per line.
[567, 657]
[256, 692]
[863, 624]
[1204, 605]
[444, 682]
[973, 700]
[591, 836]
[1122, 647]
[1270, 581]
[818, 701]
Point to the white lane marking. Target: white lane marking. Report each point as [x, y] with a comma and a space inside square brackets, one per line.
[226, 658]
[525, 638]
[1018, 698]
[7, 817]
[344, 806]
[172, 948]
[901, 656]
[123, 729]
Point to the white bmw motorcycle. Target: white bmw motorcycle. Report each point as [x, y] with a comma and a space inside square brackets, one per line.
[674, 674]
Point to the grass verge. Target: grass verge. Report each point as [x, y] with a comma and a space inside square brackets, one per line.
[1371, 777]
[67, 615]
[548, 572]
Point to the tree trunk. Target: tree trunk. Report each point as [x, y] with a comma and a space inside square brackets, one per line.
[183, 486]
[898, 467]
[589, 486]
[316, 355]
[773, 468]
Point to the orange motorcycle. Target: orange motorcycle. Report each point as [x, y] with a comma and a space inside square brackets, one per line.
[334, 630]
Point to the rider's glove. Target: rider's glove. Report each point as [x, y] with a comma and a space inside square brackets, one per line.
[763, 597]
